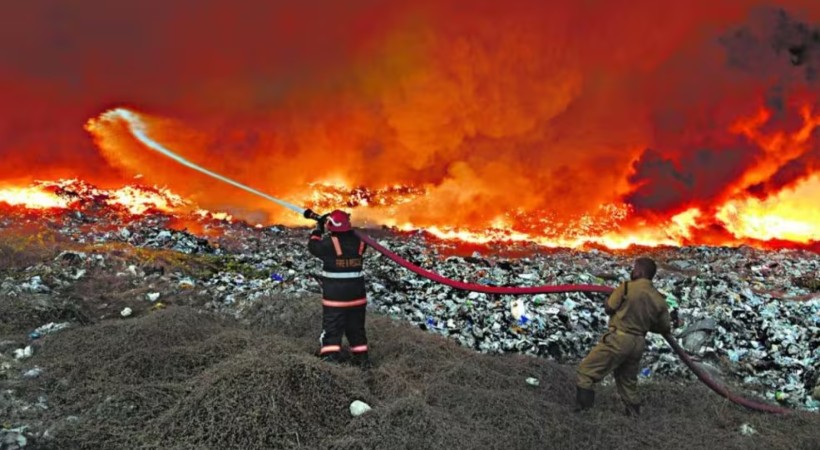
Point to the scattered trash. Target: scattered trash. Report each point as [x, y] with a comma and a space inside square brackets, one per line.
[126, 312]
[186, 283]
[48, 328]
[152, 296]
[11, 438]
[357, 408]
[747, 430]
[518, 309]
[697, 334]
[23, 353]
[533, 381]
[33, 373]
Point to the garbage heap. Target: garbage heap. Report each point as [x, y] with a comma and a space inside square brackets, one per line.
[751, 316]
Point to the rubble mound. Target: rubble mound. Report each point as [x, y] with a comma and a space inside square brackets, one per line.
[182, 378]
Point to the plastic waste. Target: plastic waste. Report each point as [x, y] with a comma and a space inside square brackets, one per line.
[518, 309]
[357, 408]
[747, 430]
[23, 353]
[33, 373]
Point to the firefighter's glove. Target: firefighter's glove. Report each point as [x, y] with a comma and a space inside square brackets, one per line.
[320, 223]
[676, 323]
[319, 230]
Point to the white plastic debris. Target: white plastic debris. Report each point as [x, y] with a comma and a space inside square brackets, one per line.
[518, 309]
[747, 430]
[23, 353]
[33, 373]
[357, 408]
[533, 381]
[152, 296]
[51, 327]
[186, 283]
[126, 312]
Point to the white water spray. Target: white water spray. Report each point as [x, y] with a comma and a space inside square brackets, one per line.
[138, 129]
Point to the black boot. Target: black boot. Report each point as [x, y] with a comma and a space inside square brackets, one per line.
[584, 398]
[333, 358]
[361, 360]
[632, 410]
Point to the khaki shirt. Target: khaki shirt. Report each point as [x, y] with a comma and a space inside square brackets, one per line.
[641, 310]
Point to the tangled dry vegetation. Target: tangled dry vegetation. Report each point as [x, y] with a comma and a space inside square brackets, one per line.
[182, 378]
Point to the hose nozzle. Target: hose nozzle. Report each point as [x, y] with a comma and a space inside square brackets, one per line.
[309, 214]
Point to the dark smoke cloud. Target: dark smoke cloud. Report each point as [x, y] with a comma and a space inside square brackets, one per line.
[772, 41]
[791, 172]
[771, 61]
[697, 178]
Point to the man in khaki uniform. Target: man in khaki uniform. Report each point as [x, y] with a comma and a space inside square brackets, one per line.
[635, 308]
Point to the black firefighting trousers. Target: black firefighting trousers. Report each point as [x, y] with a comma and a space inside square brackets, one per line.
[346, 321]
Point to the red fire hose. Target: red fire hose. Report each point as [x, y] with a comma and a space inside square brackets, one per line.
[512, 290]
[506, 290]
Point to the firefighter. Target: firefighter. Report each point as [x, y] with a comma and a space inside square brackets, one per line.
[344, 298]
[635, 308]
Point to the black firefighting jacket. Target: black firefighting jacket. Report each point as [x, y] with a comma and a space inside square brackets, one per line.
[342, 278]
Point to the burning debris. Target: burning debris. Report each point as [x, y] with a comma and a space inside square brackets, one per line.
[763, 305]
[327, 196]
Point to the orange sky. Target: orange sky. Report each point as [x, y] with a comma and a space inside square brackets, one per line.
[530, 106]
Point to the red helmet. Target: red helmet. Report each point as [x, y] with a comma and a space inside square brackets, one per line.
[338, 220]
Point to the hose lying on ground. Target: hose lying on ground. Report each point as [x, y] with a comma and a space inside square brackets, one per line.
[505, 290]
[719, 389]
[139, 130]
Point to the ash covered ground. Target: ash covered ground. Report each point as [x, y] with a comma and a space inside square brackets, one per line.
[120, 331]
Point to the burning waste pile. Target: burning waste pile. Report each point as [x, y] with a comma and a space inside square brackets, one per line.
[751, 316]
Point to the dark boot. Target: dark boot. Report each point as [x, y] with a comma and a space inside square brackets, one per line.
[633, 410]
[584, 399]
[333, 358]
[362, 360]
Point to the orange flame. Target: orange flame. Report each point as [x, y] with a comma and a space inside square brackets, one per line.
[31, 197]
[134, 199]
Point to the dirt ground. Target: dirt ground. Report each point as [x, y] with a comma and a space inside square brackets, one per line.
[183, 378]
